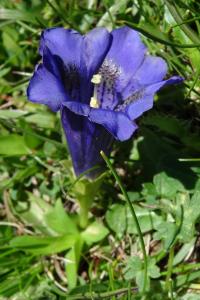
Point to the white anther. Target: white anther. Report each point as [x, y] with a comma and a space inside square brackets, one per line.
[94, 103]
[96, 79]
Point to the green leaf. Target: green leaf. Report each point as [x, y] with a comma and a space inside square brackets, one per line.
[31, 140]
[8, 114]
[94, 233]
[135, 270]
[166, 232]
[59, 221]
[134, 196]
[10, 43]
[167, 186]
[149, 193]
[3, 72]
[190, 296]
[153, 269]
[107, 19]
[33, 212]
[148, 220]
[191, 212]
[13, 144]
[183, 252]
[49, 149]
[13, 14]
[134, 265]
[116, 218]
[42, 245]
[43, 119]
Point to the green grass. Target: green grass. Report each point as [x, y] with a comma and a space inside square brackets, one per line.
[44, 253]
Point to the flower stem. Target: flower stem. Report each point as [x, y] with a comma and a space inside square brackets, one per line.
[133, 215]
[83, 216]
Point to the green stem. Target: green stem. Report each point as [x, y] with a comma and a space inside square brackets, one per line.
[83, 216]
[168, 284]
[184, 268]
[133, 215]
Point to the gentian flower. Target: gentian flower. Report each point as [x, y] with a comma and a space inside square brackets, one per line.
[100, 82]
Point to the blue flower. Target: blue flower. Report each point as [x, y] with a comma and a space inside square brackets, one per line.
[100, 82]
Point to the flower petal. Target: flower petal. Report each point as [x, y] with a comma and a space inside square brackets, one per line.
[50, 62]
[65, 43]
[140, 105]
[117, 123]
[85, 140]
[73, 51]
[96, 44]
[152, 70]
[46, 89]
[127, 50]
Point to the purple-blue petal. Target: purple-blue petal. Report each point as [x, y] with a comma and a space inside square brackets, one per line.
[96, 44]
[117, 123]
[152, 70]
[45, 88]
[78, 108]
[72, 51]
[127, 51]
[85, 141]
[65, 43]
[50, 62]
[145, 102]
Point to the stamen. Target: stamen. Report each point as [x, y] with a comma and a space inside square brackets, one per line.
[96, 79]
[94, 103]
[104, 85]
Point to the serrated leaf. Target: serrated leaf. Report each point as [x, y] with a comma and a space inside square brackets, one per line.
[133, 265]
[135, 270]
